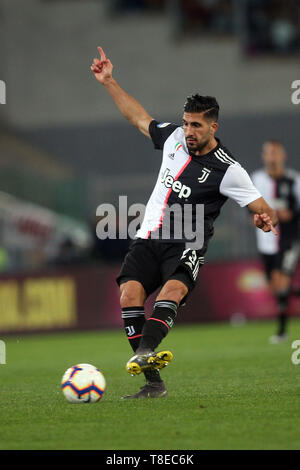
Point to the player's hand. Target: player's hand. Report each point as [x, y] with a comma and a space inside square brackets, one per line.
[263, 221]
[103, 68]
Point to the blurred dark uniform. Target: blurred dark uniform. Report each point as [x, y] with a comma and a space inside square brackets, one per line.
[280, 252]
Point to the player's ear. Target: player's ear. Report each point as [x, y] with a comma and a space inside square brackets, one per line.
[214, 127]
[284, 155]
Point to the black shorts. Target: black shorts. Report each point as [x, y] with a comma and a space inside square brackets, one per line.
[284, 261]
[153, 263]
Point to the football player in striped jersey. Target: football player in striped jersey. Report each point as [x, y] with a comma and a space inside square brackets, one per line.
[280, 187]
[197, 170]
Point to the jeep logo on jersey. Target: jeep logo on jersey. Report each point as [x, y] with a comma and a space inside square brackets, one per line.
[204, 175]
[176, 185]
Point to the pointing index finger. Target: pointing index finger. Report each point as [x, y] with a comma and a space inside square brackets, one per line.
[102, 53]
[274, 230]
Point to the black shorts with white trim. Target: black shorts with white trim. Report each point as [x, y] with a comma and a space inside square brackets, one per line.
[153, 263]
[285, 260]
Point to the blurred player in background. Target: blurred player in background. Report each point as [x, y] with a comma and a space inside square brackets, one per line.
[280, 187]
[196, 170]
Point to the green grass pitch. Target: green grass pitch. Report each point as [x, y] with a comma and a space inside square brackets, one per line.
[228, 389]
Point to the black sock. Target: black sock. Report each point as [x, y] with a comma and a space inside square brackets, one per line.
[134, 320]
[282, 298]
[159, 324]
[152, 375]
[282, 302]
[282, 319]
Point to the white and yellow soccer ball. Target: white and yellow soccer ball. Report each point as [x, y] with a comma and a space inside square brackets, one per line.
[83, 383]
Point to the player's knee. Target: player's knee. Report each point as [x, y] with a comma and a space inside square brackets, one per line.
[174, 291]
[132, 294]
[280, 282]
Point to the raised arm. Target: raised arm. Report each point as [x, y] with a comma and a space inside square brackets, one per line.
[129, 107]
[264, 216]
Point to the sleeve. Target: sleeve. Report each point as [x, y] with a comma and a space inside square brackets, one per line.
[160, 131]
[253, 178]
[297, 191]
[237, 185]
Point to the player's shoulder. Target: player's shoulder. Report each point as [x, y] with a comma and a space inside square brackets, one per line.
[292, 174]
[223, 157]
[260, 173]
[163, 126]
[161, 131]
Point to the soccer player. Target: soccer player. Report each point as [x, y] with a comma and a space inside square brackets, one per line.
[279, 186]
[196, 170]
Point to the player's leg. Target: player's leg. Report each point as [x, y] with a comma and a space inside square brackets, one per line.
[132, 299]
[164, 314]
[156, 328]
[138, 279]
[180, 269]
[280, 284]
[279, 290]
[289, 264]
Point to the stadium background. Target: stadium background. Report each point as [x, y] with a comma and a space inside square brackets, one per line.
[65, 149]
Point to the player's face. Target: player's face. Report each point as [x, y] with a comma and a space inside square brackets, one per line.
[197, 131]
[274, 156]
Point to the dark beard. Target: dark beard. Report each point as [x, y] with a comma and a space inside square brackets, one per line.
[198, 148]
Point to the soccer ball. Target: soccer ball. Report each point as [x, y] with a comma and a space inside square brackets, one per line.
[83, 383]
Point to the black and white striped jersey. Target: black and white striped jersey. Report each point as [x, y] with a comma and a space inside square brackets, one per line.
[281, 193]
[185, 179]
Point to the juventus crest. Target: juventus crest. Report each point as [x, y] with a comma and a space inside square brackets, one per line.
[130, 330]
[204, 175]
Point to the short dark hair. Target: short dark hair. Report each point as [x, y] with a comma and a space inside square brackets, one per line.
[274, 142]
[202, 104]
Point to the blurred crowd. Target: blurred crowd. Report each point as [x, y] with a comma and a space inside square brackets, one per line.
[33, 237]
[215, 15]
[269, 25]
[273, 25]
